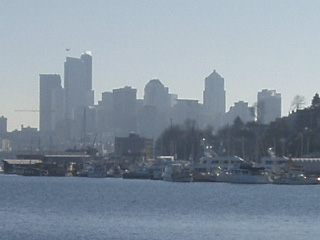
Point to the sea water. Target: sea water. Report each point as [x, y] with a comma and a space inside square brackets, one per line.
[88, 208]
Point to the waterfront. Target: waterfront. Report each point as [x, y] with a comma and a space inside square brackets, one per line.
[85, 208]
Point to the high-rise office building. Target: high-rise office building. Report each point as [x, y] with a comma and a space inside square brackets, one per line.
[3, 124]
[124, 111]
[78, 83]
[154, 117]
[51, 101]
[186, 109]
[104, 112]
[269, 106]
[157, 95]
[214, 99]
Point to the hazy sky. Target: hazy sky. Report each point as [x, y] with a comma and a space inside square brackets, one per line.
[252, 44]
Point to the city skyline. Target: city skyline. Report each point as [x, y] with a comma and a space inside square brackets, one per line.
[253, 45]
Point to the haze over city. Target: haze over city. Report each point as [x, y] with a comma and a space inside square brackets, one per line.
[253, 45]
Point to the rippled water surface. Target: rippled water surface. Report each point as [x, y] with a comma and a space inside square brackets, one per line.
[85, 208]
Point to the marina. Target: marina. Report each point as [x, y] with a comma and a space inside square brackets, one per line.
[209, 168]
[172, 171]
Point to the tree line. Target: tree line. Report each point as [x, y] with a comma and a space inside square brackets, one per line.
[297, 135]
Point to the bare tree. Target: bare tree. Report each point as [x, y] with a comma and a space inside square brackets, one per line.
[298, 103]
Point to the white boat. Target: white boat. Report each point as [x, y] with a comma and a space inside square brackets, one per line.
[159, 166]
[204, 176]
[216, 167]
[295, 178]
[273, 163]
[249, 174]
[223, 176]
[177, 172]
[223, 162]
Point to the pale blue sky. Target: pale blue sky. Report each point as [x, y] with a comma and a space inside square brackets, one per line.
[252, 44]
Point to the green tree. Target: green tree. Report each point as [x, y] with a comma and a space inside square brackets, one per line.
[315, 101]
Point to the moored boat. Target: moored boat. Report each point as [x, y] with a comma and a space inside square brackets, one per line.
[177, 172]
[115, 172]
[295, 178]
[93, 171]
[247, 173]
[137, 172]
[204, 175]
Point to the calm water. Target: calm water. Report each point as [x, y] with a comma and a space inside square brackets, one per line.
[84, 208]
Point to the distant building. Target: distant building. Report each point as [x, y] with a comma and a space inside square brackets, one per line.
[134, 148]
[78, 83]
[28, 139]
[51, 101]
[85, 123]
[156, 94]
[104, 112]
[5, 145]
[124, 111]
[104, 123]
[139, 105]
[186, 109]
[173, 99]
[149, 122]
[310, 166]
[269, 106]
[3, 125]
[241, 110]
[214, 100]
[154, 117]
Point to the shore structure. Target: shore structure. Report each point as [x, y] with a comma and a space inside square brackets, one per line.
[232, 169]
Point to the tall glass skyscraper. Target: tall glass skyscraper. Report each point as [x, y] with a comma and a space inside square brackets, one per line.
[78, 84]
[51, 101]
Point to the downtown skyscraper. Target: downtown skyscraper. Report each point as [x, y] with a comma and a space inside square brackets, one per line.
[78, 84]
[51, 102]
[214, 100]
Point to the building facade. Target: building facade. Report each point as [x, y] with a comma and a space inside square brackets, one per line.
[156, 94]
[3, 125]
[51, 101]
[214, 100]
[154, 116]
[241, 110]
[124, 111]
[134, 148]
[78, 83]
[186, 109]
[269, 106]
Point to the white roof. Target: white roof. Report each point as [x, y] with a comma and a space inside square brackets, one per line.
[305, 159]
[22, 161]
[67, 156]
